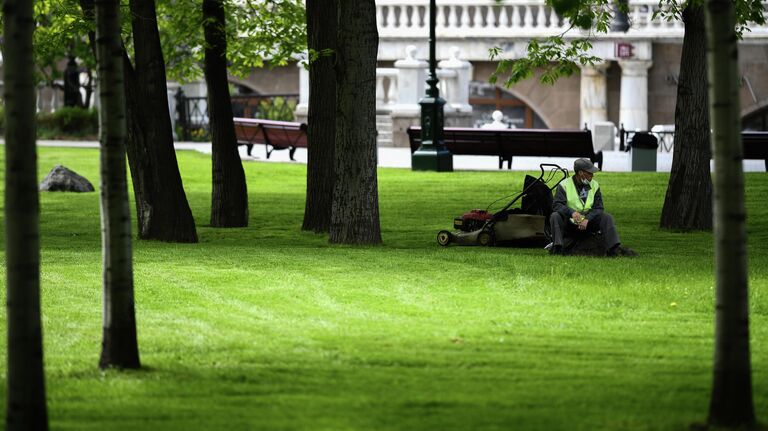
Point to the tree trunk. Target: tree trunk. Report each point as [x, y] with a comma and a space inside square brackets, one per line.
[322, 116]
[731, 401]
[161, 205]
[688, 203]
[229, 200]
[355, 209]
[119, 345]
[25, 403]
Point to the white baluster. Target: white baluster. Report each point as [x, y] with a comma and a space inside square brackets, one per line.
[452, 18]
[636, 17]
[440, 17]
[553, 19]
[541, 17]
[477, 18]
[517, 20]
[414, 16]
[464, 21]
[528, 22]
[380, 16]
[503, 17]
[402, 21]
[490, 17]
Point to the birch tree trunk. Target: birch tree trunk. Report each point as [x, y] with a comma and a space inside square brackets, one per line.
[688, 202]
[25, 402]
[162, 210]
[119, 345]
[229, 200]
[731, 402]
[355, 209]
[321, 34]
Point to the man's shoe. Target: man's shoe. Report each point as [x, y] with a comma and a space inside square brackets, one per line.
[618, 250]
[556, 250]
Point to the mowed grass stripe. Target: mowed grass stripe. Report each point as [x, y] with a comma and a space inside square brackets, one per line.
[268, 327]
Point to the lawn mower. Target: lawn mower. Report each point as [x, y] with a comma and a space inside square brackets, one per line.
[524, 226]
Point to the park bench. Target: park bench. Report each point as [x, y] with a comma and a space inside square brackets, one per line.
[506, 143]
[275, 135]
[755, 146]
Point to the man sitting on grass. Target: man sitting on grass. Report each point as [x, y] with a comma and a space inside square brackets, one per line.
[578, 209]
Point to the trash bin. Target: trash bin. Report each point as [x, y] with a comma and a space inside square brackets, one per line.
[643, 147]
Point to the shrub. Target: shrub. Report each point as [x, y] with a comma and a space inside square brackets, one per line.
[68, 122]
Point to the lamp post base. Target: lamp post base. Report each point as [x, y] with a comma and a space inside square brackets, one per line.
[432, 158]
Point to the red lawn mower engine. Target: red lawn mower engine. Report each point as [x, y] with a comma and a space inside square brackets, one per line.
[472, 221]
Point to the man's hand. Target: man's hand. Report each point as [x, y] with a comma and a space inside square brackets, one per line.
[577, 217]
[583, 224]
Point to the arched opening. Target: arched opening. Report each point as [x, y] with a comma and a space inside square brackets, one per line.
[486, 98]
[240, 88]
[756, 120]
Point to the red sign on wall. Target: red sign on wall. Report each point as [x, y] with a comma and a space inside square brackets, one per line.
[624, 50]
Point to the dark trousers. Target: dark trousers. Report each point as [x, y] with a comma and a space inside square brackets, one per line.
[564, 232]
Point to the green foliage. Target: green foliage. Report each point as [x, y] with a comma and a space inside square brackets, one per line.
[271, 328]
[259, 34]
[553, 57]
[61, 32]
[277, 108]
[68, 122]
[558, 56]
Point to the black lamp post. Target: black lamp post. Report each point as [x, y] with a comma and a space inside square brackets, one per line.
[432, 154]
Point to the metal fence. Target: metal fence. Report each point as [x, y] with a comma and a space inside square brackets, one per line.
[192, 121]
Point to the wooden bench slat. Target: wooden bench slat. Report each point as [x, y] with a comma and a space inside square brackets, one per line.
[275, 135]
[507, 143]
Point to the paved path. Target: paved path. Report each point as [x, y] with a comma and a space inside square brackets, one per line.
[614, 161]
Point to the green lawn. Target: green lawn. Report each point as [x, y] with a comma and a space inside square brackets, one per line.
[271, 328]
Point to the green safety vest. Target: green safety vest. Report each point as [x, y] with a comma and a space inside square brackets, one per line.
[574, 201]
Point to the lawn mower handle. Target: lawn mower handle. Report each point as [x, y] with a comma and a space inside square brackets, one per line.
[554, 167]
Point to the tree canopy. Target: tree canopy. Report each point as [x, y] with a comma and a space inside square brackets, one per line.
[560, 55]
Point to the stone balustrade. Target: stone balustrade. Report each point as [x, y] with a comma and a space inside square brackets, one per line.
[401, 87]
[404, 19]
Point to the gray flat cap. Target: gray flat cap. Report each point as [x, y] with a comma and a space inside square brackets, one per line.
[584, 165]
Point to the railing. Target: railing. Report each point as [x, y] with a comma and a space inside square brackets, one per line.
[462, 18]
[386, 87]
[192, 120]
[511, 18]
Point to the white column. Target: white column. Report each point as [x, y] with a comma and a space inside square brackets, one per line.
[458, 88]
[411, 80]
[594, 94]
[633, 107]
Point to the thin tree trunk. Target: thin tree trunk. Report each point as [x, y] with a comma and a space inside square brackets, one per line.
[321, 34]
[731, 402]
[119, 345]
[688, 202]
[25, 402]
[161, 205]
[229, 200]
[355, 209]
